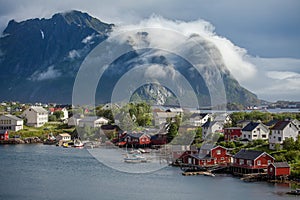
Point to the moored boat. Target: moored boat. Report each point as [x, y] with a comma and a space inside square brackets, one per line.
[135, 159]
[78, 143]
[294, 192]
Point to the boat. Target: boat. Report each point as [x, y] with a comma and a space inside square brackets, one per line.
[294, 192]
[135, 158]
[78, 143]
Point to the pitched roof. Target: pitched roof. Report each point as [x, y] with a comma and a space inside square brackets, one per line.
[13, 117]
[38, 109]
[250, 126]
[200, 115]
[3, 131]
[211, 123]
[136, 135]
[280, 164]
[272, 122]
[280, 125]
[248, 154]
[65, 135]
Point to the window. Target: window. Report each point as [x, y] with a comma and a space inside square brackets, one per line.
[222, 158]
[279, 139]
[218, 152]
[258, 162]
[264, 136]
[241, 161]
[269, 161]
[271, 169]
[249, 162]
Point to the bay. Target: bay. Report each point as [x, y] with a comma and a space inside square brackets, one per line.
[49, 172]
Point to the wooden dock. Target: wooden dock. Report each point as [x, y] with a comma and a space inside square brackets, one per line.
[205, 173]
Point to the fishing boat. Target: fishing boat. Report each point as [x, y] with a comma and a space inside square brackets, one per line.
[135, 158]
[294, 192]
[78, 143]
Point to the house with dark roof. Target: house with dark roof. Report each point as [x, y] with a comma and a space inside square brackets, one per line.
[254, 131]
[211, 127]
[10, 122]
[251, 161]
[278, 169]
[198, 119]
[281, 131]
[209, 155]
[137, 139]
[36, 116]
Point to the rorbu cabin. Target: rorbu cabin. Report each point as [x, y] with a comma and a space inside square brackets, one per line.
[251, 161]
[279, 169]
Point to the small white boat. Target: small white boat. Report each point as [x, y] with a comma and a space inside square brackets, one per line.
[135, 158]
[78, 143]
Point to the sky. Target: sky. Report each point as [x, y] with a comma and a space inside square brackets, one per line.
[266, 32]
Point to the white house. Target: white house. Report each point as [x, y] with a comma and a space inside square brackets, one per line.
[211, 127]
[281, 131]
[223, 117]
[161, 117]
[73, 121]
[63, 137]
[93, 122]
[63, 110]
[36, 116]
[10, 122]
[198, 119]
[254, 131]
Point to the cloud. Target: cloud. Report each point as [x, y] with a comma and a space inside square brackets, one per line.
[233, 56]
[160, 72]
[88, 39]
[73, 54]
[50, 73]
[283, 75]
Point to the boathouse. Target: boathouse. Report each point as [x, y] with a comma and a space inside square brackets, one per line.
[251, 161]
[279, 169]
[208, 156]
[4, 135]
[137, 139]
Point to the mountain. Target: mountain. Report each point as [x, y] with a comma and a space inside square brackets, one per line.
[39, 60]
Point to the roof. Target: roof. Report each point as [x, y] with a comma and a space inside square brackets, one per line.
[166, 114]
[136, 135]
[272, 122]
[207, 146]
[280, 125]
[38, 109]
[200, 115]
[211, 123]
[3, 131]
[281, 165]
[248, 154]
[233, 128]
[65, 135]
[250, 126]
[13, 117]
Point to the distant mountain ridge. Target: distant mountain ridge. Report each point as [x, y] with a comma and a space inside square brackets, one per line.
[39, 60]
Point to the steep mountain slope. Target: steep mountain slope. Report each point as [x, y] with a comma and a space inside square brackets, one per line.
[39, 60]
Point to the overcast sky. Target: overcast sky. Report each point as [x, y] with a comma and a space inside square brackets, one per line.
[269, 30]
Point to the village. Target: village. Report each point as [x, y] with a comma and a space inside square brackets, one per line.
[254, 145]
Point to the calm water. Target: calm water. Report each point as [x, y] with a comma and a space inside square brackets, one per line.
[50, 172]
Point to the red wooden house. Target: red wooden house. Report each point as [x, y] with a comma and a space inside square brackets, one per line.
[208, 156]
[159, 139]
[251, 161]
[232, 133]
[137, 139]
[4, 135]
[279, 169]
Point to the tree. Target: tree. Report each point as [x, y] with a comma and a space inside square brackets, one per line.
[58, 114]
[172, 131]
[289, 144]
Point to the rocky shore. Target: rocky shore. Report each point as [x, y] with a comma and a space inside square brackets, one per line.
[29, 140]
